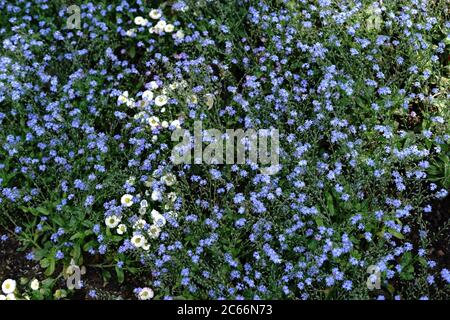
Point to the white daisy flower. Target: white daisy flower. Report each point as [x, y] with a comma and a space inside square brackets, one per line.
[148, 182]
[158, 218]
[155, 14]
[10, 296]
[130, 103]
[153, 85]
[147, 95]
[140, 21]
[173, 214]
[142, 104]
[179, 34]
[165, 124]
[146, 246]
[173, 86]
[138, 240]
[169, 28]
[160, 25]
[130, 33]
[140, 224]
[154, 213]
[161, 100]
[192, 99]
[146, 294]
[169, 179]
[154, 138]
[121, 229]
[112, 221]
[153, 121]
[139, 115]
[8, 286]
[34, 284]
[123, 98]
[127, 200]
[156, 195]
[172, 196]
[131, 180]
[154, 231]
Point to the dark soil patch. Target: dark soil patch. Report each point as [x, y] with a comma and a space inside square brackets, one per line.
[13, 263]
[111, 289]
[438, 231]
[439, 226]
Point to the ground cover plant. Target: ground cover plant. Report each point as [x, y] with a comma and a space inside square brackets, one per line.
[356, 206]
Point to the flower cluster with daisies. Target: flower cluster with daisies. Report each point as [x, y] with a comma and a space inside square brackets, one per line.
[358, 91]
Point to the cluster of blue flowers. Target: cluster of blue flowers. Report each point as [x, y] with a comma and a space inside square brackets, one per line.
[358, 91]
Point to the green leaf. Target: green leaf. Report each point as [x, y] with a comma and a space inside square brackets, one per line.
[24, 209]
[106, 275]
[44, 263]
[447, 41]
[330, 203]
[89, 245]
[87, 223]
[319, 222]
[43, 210]
[120, 275]
[133, 270]
[47, 282]
[132, 52]
[39, 254]
[51, 267]
[390, 288]
[407, 273]
[59, 221]
[396, 234]
[78, 235]
[406, 258]
[76, 252]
